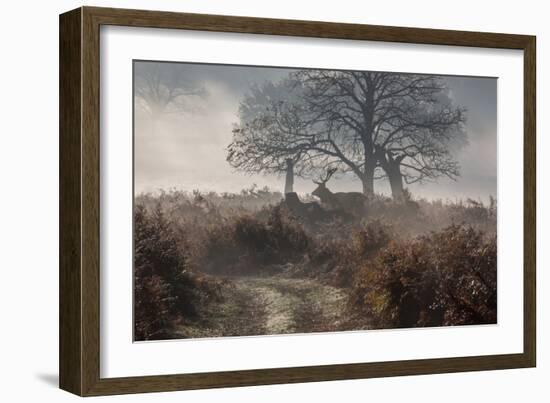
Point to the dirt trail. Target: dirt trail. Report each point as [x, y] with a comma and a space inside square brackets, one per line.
[271, 305]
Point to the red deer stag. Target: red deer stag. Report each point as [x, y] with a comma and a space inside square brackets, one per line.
[307, 210]
[351, 202]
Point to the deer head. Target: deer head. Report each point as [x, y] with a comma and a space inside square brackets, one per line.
[321, 191]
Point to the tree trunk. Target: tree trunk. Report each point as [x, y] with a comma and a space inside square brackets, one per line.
[396, 182]
[289, 180]
[392, 166]
[368, 179]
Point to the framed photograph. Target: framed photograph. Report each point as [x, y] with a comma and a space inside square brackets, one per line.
[249, 201]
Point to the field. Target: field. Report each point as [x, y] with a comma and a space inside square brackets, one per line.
[253, 263]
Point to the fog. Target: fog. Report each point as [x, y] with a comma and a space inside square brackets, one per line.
[185, 147]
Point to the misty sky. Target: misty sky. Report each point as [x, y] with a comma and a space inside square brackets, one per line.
[185, 147]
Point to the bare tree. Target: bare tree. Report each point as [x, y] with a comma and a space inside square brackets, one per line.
[388, 120]
[417, 144]
[163, 88]
[359, 122]
[276, 134]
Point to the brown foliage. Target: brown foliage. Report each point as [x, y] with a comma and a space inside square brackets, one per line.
[246, 244]
[408, 263]
[163, 289]
[445, 278]
[335, 260]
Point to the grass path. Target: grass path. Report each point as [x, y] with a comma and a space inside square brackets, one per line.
[270, 305]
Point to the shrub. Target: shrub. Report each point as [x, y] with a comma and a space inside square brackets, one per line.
[328, 260]
[336, 260]
[371, 238]
[209, 205]
[287, 237]
[163, 289]
[445, 278]
[248, 244]
[414, 217]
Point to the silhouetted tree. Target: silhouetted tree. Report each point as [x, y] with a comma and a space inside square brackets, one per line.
[275, 133]
[163, 88]
[417, 143]
[355, 121]
[403, 123]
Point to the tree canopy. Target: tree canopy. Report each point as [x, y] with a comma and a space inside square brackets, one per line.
[163, 88]
[373, 124]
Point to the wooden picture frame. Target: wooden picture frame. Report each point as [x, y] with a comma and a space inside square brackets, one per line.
[79, 346]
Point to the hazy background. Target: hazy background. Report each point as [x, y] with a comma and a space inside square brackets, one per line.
[186, 149]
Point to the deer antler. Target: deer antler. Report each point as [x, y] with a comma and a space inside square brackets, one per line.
[324, 179]
[330, 172]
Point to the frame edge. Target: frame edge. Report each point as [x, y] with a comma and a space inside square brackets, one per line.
[304, 28]
[530, 201]
[70, 279]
